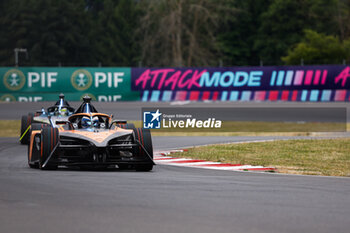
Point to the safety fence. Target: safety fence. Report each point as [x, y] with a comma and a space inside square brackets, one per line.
[274, 83]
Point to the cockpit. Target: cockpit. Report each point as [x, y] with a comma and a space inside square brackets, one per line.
[90, 121]
[60, 111]
[87, 122]
[87, 117]
[61, 108]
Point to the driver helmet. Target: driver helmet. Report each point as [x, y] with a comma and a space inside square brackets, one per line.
[63, 111]
[95, 121]
[86, 122]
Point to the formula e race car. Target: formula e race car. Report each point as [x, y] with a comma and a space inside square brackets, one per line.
[90, 140]
[60, 111]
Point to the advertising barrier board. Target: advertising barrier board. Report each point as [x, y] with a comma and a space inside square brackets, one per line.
[274, 83]
[43, 84]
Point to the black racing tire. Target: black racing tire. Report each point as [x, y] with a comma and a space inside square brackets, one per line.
[26, 121]
[126, 126]
[24, 126]
[38, 126]
[144, 137]
[34, 126]
[49, 139]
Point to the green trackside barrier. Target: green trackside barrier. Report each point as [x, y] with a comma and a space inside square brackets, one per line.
[76, 96]
[44, 84]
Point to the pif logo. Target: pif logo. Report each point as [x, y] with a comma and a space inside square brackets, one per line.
[81, 79]
[7, 98]
[14, 80]
[151, 120]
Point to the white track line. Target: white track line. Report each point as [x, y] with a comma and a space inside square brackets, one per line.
[162, 157]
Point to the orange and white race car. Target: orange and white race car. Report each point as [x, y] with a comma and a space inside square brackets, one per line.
[89, 139]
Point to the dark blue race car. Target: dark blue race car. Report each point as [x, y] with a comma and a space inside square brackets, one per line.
[58, 112]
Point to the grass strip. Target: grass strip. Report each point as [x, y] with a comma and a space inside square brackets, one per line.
[326, 157]
[11, 128]
[263, 127]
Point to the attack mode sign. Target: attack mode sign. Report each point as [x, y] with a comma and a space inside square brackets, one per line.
[241, 78]
[192, 79]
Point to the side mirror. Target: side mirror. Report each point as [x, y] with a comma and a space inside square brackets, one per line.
[118, 122]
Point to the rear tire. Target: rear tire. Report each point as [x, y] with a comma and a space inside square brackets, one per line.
[26, 121]
[49, 139]
[144, 137]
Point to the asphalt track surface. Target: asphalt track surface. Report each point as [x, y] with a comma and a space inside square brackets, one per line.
[168, 199]
[132, 110]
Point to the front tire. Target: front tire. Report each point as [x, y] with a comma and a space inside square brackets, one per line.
[49, 140]
[145, 139]
[26, 121]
